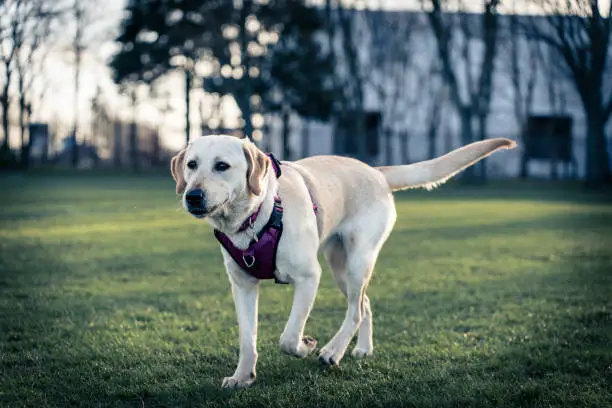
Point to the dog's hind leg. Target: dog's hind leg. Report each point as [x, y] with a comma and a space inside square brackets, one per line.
[335, 254]
[357, 279]
[362, 241]
[336, 257]
[365, 342]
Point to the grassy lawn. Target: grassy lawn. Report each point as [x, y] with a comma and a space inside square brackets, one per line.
[110, 295]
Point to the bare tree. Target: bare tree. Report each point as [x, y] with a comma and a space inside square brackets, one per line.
[78, 47]
[523, 77]
[210, 114]
[389, 63]
[101, 123]
[579, 32]
[437, 96]
[32, 35]
[469, 91]
[10, 10]
[24, 27]
[135, 92]
[344, 38]
[133, 135]
[305, 137]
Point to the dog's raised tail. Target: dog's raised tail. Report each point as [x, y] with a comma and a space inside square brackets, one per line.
[431, 173]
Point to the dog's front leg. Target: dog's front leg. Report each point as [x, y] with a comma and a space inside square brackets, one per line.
[245, 295]
[292, 341]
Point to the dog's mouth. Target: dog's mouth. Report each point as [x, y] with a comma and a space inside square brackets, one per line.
[200, 212]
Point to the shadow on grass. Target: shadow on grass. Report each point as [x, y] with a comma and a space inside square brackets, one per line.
[561, 358]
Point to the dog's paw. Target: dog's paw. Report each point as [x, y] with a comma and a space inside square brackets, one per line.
[359, 352]
[300, 349]
[330, 357]
[310, 343]
[237, 382]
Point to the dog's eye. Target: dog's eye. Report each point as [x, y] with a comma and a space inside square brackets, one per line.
[221, 166]
[192, 164]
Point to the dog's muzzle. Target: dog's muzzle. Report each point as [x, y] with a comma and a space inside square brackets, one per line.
[196, 202]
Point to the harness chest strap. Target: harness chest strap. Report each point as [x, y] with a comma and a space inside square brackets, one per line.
[259, 259]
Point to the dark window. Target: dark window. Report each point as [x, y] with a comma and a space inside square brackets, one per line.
[549, 138]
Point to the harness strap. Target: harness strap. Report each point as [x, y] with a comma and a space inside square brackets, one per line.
[275, 165]
[277, 169]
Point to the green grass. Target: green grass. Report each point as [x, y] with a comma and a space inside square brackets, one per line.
[110, 295]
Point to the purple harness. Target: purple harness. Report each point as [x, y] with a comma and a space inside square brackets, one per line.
[259, 259]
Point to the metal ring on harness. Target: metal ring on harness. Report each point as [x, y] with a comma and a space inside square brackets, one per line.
[249, 265]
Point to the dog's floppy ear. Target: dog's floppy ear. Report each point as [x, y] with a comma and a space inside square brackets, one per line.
[176, 167]
[258, 165]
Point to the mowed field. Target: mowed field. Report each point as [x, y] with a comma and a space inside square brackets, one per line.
[112, 296]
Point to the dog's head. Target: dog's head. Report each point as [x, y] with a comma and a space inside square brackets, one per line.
[215, 171]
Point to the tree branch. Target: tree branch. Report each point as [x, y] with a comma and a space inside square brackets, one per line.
[443, 37]
[472, 92]
[490, 22]
[607, 111]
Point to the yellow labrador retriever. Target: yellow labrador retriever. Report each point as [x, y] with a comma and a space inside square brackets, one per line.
[273, 218]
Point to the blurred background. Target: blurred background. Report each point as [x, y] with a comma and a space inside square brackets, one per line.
[487, 294]
[125, 84]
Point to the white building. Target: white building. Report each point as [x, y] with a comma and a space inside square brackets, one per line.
[405, 105]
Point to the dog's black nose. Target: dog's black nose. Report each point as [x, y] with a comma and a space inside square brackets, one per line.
[196, 198]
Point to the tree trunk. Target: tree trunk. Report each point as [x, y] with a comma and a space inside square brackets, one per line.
[78, 51]
[187, 105]
[134, 156]
[482, 164]
[524, 173]
[467, 137]
[338, 136]
[5, 121]
[361, 135]
[96, 129]
[388, 135]
[431, 139]
[75, 147]
[244, 104]
[305, 137]
[524, 170]
[404, 147]
[156, 149]
[25, 146]
[434, 126]
[247, 115]
[245, 37]
[286, 132]
[597, 162]
[117, 145]
[134, 145]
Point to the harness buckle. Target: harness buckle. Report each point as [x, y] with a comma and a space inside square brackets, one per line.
[248, 265]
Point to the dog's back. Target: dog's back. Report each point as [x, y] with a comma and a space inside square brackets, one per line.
[342, 187]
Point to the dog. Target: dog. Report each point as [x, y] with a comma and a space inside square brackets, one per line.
[337, 205]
